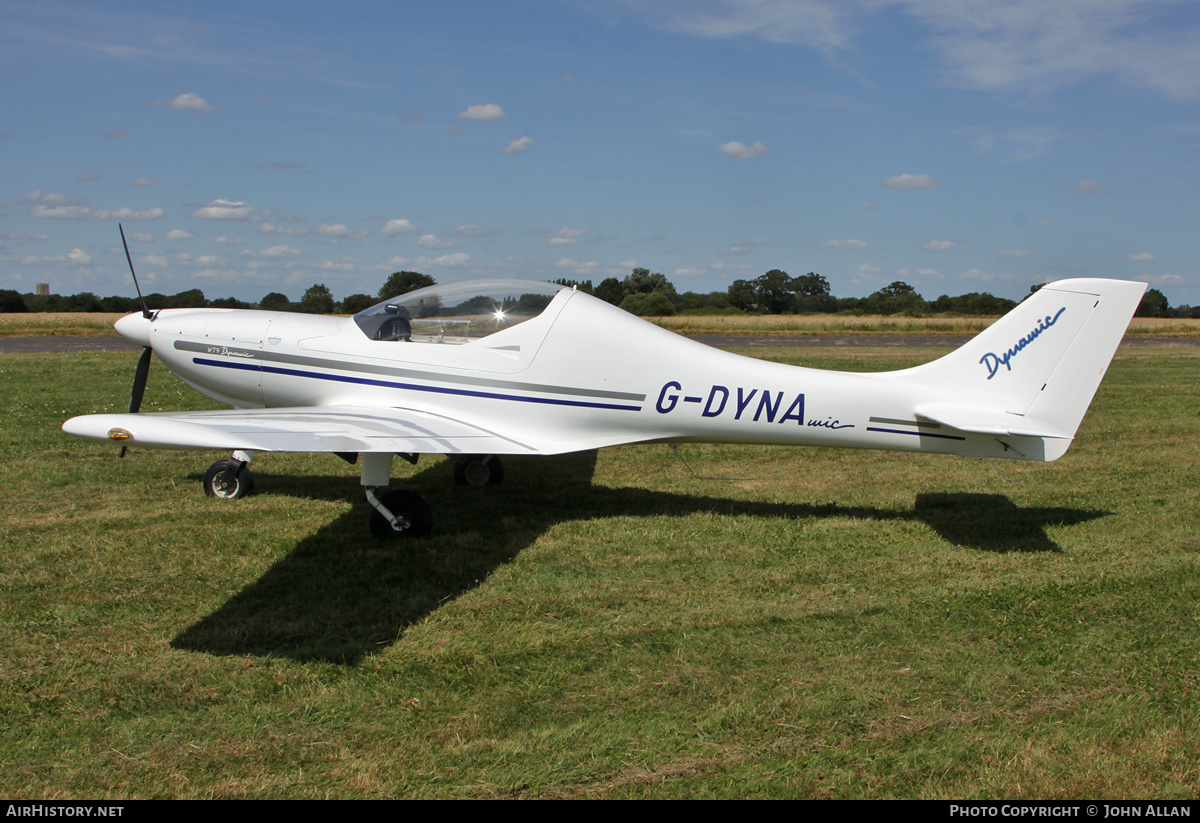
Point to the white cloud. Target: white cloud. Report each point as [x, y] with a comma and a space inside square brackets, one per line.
[339, 231]
[822, 25]
[1144, 257]
[1014, 145]
[938, 245]
[273, 252]
[87, 177]
[225, 210]
[129, 214]
[397, 226]
[268, 229]
[145, 181]
[52, 206]
[458, 258]
[577, 266]
[471, 230]
[60, 212]
[741, 151]
[485, 111]
[179, 234]
[153, 260]
[518, 146]
[844, 244]
[1163, 279]
[567, 236]
[79, 257]
[909, 181]
[229, 241]
[141, 237]
[1091, 187]
[188, 101]
[431, 241]
[38, 197]
[743, 245]
[993, 45]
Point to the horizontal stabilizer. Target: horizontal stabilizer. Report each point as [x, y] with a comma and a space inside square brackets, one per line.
[984, 420]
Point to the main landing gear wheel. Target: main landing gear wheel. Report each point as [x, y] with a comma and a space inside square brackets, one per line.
[412, 516]
[228, 479]
[479, 471]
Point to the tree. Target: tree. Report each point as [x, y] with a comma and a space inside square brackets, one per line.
[897, 297]
[610, 291]
[356, 303]
[584, 286]
[774, 292]
[641, 281]
[190, 299]
[1154, 304]
[743, 295]
[10, 301]
[653, 304]
[402, 282]
[228, 303]
[275, 302]
[811, 285]
[317, 300]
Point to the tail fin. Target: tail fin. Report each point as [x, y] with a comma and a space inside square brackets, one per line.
[1034, 371]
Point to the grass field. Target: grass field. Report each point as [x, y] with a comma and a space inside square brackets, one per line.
[781, 623]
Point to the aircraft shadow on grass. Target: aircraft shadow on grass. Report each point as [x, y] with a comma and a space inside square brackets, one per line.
[340, 595]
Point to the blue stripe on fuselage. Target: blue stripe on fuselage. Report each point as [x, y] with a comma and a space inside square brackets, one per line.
[341, 378]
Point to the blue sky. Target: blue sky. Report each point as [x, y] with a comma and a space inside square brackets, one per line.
[266, 145]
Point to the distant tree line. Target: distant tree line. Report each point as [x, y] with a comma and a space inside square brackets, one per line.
[777, 292]
[641, 292]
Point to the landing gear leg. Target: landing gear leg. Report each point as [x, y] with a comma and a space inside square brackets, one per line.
[230, 479]
[396, 514]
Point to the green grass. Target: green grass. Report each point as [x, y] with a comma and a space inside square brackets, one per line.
[790, 623]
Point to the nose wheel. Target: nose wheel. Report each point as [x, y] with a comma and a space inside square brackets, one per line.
[399, 514]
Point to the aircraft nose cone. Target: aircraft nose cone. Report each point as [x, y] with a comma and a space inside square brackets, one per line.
[134, 327]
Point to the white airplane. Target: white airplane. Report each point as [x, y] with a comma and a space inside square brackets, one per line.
[481, 369]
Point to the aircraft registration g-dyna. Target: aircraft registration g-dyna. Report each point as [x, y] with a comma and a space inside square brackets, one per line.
[480, 369]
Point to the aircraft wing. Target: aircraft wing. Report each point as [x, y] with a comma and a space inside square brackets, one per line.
[307, 429]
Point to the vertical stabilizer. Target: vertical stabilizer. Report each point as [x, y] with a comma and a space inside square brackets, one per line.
[1035, 370]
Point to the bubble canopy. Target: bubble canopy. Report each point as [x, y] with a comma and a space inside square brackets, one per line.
[456, 313]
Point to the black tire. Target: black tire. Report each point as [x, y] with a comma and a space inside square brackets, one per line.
[479, 471]
[228, 480]
[414, 515]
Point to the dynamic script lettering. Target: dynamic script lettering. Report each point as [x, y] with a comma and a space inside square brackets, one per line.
[992, 362]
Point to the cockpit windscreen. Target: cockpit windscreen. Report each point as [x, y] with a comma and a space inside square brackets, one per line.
[456, 313]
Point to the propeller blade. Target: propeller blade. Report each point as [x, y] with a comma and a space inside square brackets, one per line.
[139, 380]
[139, 383]
[145, 309]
